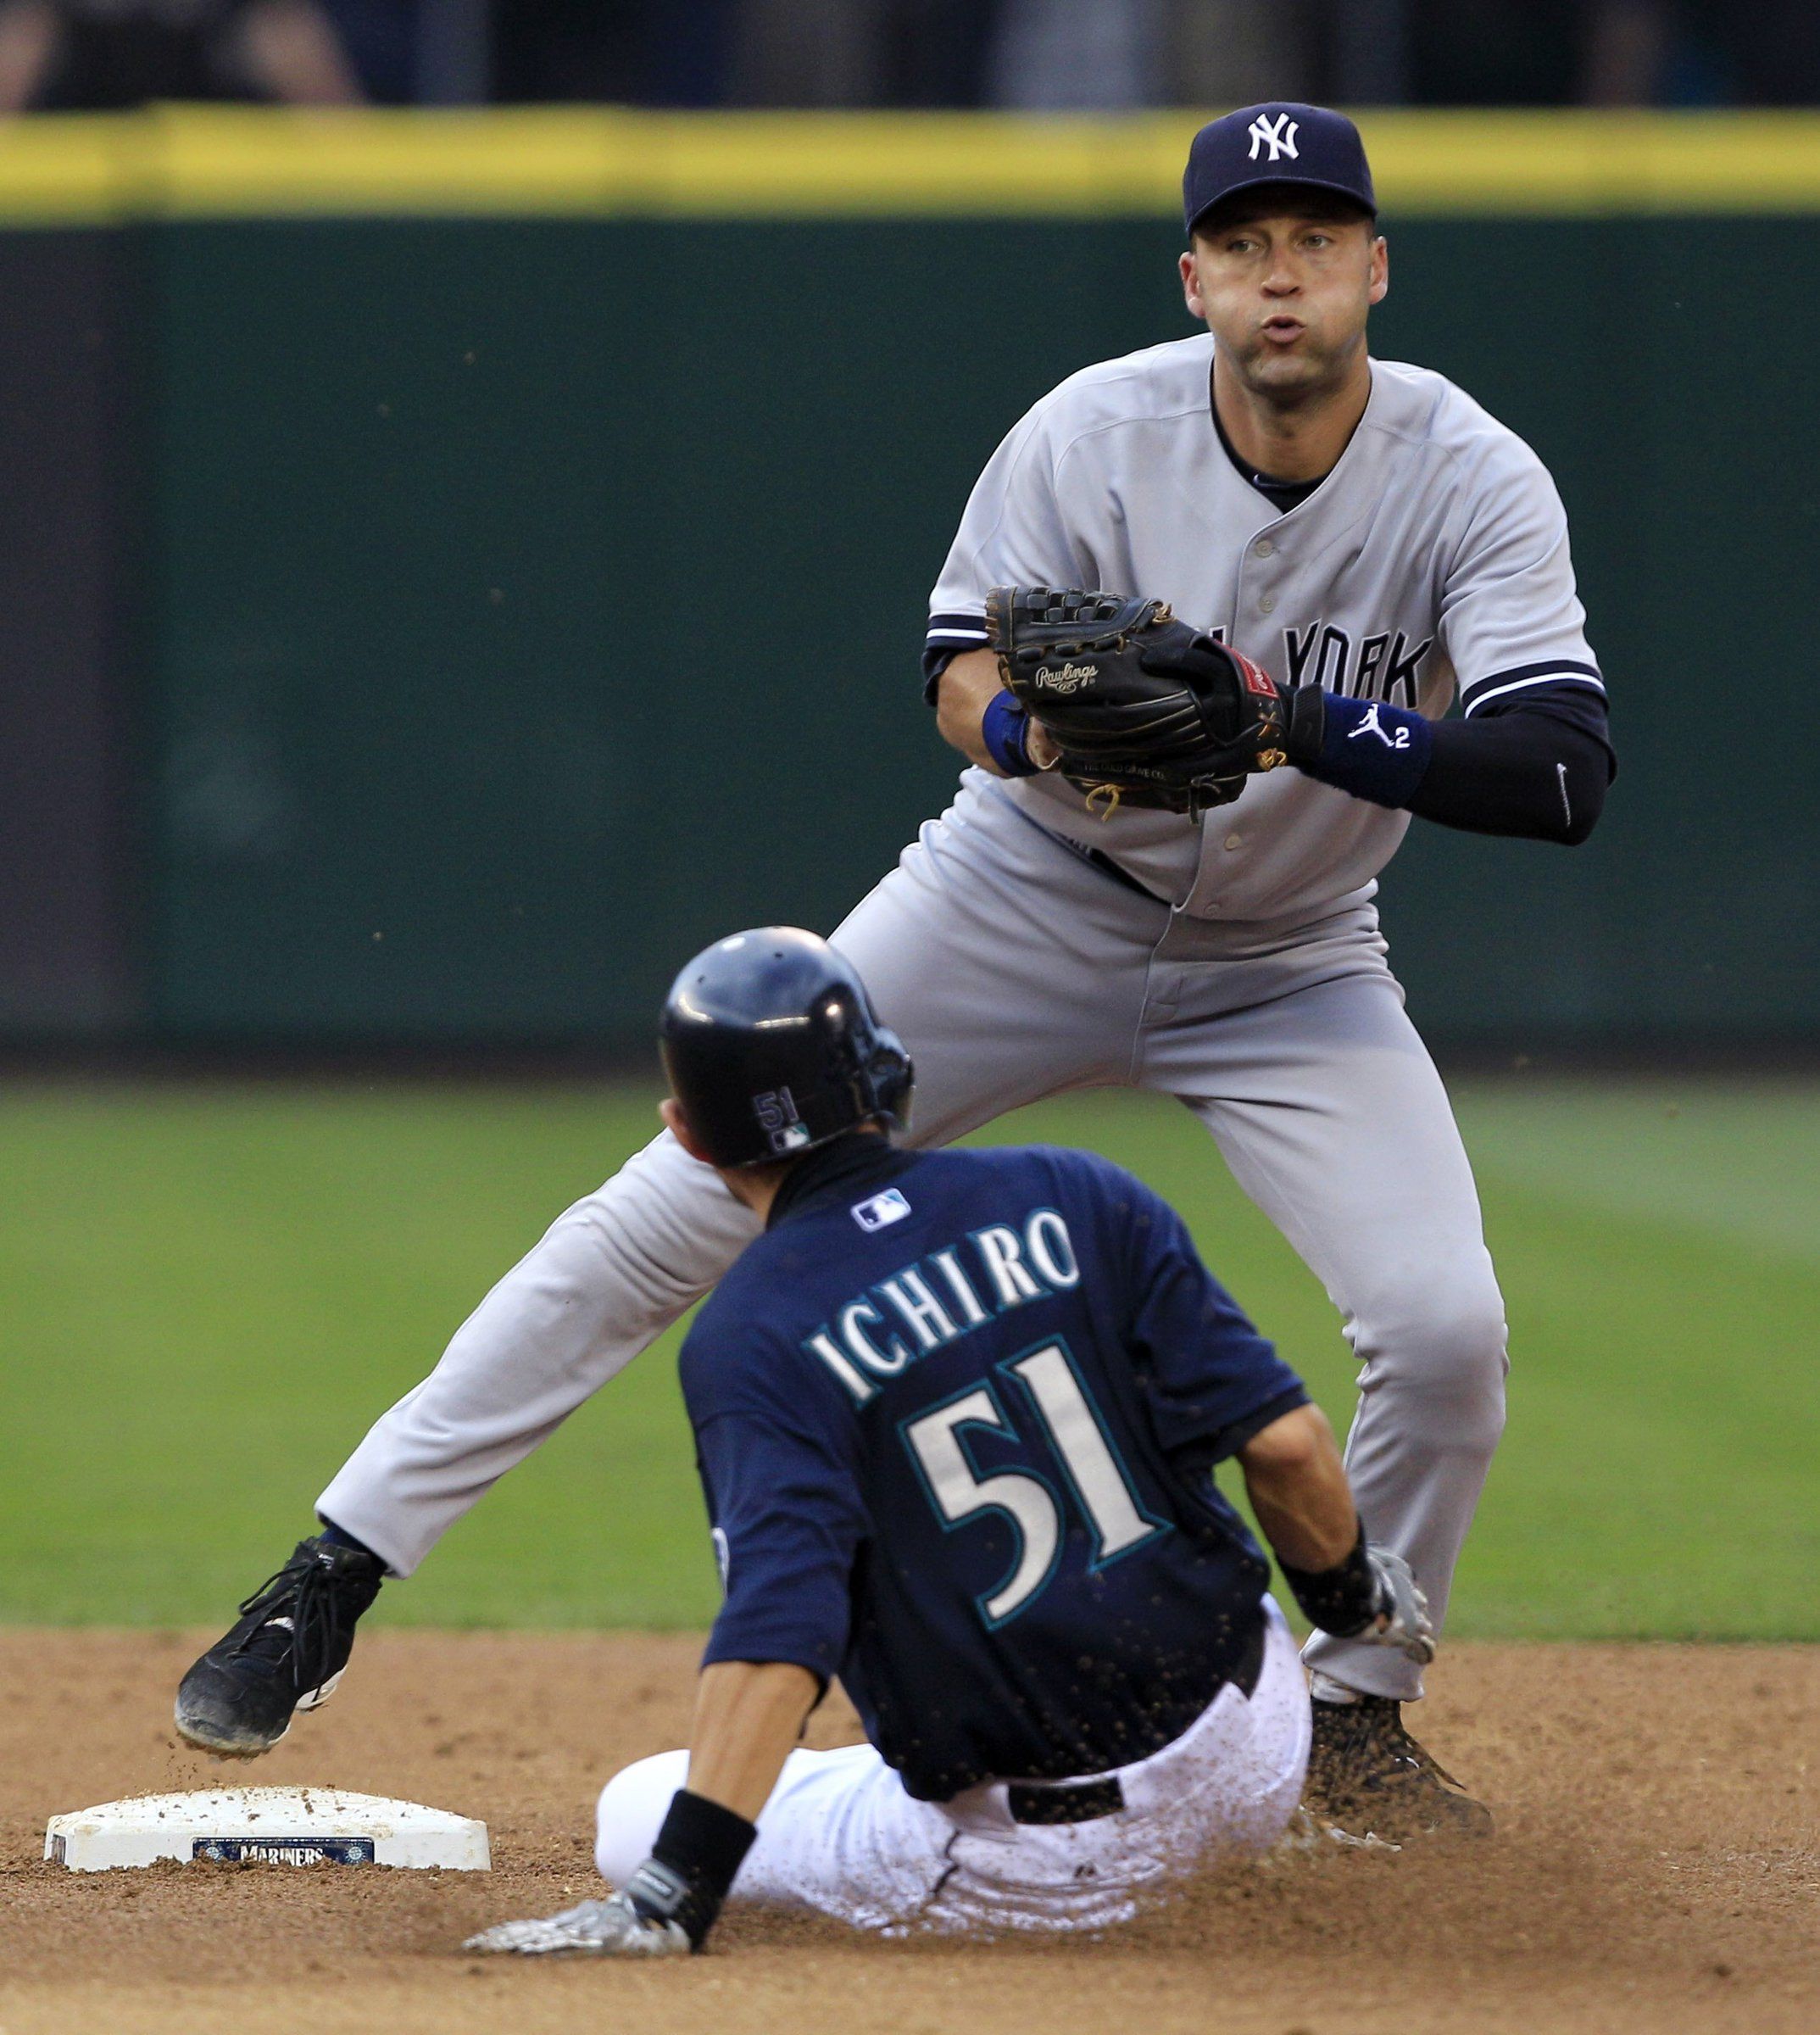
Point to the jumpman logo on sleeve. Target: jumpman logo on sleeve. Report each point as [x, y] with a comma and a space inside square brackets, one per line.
[1372, 724]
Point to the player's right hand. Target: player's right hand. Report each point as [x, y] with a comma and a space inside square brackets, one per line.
[612, 1927]
[1402, 1621]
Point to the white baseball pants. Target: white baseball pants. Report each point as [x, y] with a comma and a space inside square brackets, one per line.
[840, 1836]
[1013, 970]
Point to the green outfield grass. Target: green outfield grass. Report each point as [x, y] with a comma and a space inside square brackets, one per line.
[206, 1294]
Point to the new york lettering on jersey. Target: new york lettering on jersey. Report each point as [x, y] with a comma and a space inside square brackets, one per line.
[963, 1457]
[1383, 665]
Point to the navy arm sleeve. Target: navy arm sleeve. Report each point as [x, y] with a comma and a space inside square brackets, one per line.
[784, 1502]
[1537, 768]
[1211, 1380]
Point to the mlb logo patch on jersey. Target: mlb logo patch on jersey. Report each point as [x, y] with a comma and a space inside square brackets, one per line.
[882, 1210]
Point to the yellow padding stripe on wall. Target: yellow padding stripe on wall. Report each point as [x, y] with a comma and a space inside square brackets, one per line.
[199, 162]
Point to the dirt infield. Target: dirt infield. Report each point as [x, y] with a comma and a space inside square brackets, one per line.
[1658, 1868]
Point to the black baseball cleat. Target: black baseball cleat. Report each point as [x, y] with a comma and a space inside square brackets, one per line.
[1368, 1778]
[286, 1654]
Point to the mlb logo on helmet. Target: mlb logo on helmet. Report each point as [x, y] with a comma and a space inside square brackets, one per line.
[780, 1119]
[1281, 143]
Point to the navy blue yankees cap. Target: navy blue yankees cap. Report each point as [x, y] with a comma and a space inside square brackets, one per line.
[1279, 144]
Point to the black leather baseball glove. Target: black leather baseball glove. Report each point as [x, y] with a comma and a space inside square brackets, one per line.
[1144, 710]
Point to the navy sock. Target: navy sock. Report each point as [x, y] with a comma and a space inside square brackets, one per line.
[333, 1534]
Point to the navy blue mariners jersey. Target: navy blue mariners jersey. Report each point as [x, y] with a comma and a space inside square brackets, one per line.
[956, 1414]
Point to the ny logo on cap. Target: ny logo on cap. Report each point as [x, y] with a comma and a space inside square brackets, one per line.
[1277, 134]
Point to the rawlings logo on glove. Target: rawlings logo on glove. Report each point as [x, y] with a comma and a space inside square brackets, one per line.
[1143, 708]
[1069, 678]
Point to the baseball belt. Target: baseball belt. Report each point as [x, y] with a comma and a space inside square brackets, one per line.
[1087, 1801]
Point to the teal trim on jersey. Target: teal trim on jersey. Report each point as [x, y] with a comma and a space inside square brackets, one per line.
[1096, 1563]
[1006, 1429]
[197, 162]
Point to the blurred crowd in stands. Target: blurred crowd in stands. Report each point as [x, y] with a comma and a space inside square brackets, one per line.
[1033, 55]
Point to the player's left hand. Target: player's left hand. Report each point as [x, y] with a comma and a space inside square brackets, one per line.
[609, 1928]
[1402, 1621]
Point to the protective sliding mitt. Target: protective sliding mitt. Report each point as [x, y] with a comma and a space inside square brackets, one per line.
[1144, 710]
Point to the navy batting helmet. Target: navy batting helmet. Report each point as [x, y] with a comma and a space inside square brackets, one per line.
[772, 1047]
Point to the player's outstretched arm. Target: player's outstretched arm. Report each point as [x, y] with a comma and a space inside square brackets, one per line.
[747, 1716]
[1345, 1584]
[1298, 1488]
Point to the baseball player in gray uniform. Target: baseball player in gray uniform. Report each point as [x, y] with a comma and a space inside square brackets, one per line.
[1378, 549]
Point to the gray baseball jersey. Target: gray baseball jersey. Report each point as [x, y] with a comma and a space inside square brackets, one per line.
[1432, 561]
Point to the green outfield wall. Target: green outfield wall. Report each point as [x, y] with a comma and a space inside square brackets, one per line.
[517, 534]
